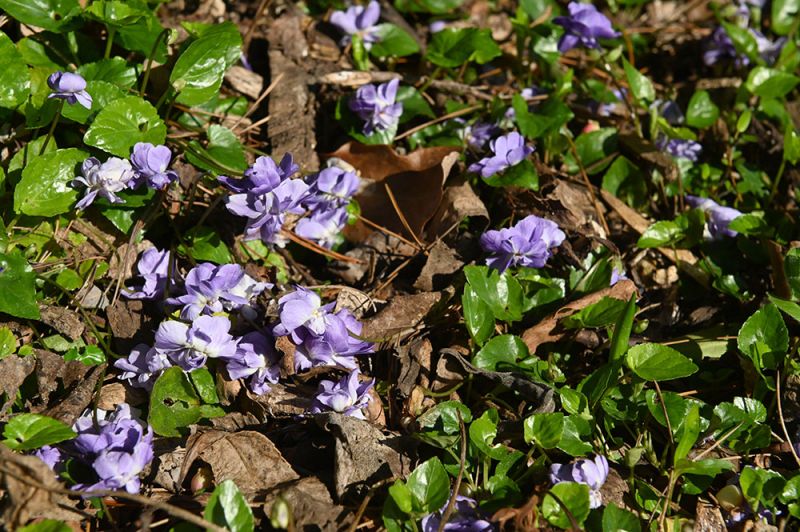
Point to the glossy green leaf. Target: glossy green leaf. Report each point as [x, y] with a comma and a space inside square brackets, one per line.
[429, 483]
[175, 404]
[17, 286]
[655, 362]
[743, 41]
[15, 79]
[501, 291]
[454, 47]
[434, 7]
[26, 432]
[115, 13]
[103, 93]
[600, 314]
[622, 331]
[478, 316]
[52, 15]
[574, 496]
[770, 82]
[545, 430]
[46, 525]
[785, 15]
[641, 86]
[764, 338]
[204, 244]
[522, 174]
[223, 154]
[702, 112]
[91, 355]
[393, 41]
[501, 351]
[114, 70]
[228, 508]
[44, 189]
[662, 233]
[123, 123]
[616, 519]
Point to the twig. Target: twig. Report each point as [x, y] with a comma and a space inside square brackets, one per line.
[780, 416]
[135, 497]
[448, 116]
[313, 246]
[402, 216]
[255, 104]
[249, 35]
[585, 177]
[451, 505]
[664, 409]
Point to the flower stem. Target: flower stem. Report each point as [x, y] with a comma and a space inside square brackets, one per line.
[52, 126]
[109, 42]
[150, 61]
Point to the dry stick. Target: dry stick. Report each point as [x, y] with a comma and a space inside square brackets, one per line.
[451, 505]
[780, 416]
[402, 216]
[448, 116]
[386, 231]
[718, 442]
[363, 506]
[173, 510]
[255, 104]
[589, 187]
[319, 249]
[664, 408]
[249, 35]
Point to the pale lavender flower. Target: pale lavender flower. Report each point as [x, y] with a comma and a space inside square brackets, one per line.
[584, 25]
[103, 179]
[211, 288]
[437, 25]
[154, 269]
[302, 311]
[592, 473]
[263, 176]
[508, 150]
[338, 345]
[267, 212]
[151, 165]
[528, 243]
[681, 148]
[617, 275]
[465, 518]
[256, 360]
[347, 396]
[52, 456]
[719, 217]
[330, 188]
[479, 134]
[142, 367]
[323, 227]
[359, 20]
[377, 106]
[70, 87]
[189, 346]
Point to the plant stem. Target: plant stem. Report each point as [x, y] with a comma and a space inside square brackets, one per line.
[109, 42]
[52, 126]
[150, 61]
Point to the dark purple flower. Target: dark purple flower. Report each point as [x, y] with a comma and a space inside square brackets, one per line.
[719, 217]
[720, 47]
[376, 105]
[103, 180]
[670, 110]
[256, 360]
[267, 212]
[592, 473]
[70, 87]
[681, 148]
[263, 176]
[584, 25]
[151, 165]
[509, 150]
[189, 346]
[479, 134]
[323, 227]
[465, 518]
[347, 396]
[330, 188]
[528, 243]
[154, 268]
[142, 367]
[301, 312]
[358, 20]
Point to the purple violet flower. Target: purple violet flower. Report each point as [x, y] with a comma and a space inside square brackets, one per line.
[263, 176]
[143, 366]
[720, 48]
[479, 134]
[103, 179]
[189, 346]
[150, 163]
[719, 217]
[359, 20]
[337, 346]
[681, 148]
[52, 456]
[330, 188]
[670, 110]
[267, 212]
[323, 227]
[211, 288]
[592, 473]
[153, 267]
[509, 150]
[377, 106]
[617, 275]
[70, 87]
[584, 25]
[528, 243]
[255, 359]
[465, 518]
[302, 311]
[347, 396]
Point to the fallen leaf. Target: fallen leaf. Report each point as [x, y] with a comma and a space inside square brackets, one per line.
[311, 505]
[459, 201]
[441, 264]
[402, 313]
[63, 320]
[13, 372]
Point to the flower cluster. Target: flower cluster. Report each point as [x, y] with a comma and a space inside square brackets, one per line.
[681, 148]
[719, 217]
[465, 518]
[359, 20]
[348, 396]
[720, 48]
[507, 151]
[148, 165]
[592, 473]
[70, 88]
[528, 243]
[584, 25]
[113, 451]
[377, 105]
[273, 202]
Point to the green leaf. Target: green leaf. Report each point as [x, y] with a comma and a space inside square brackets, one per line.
[522, 174]
[141, 37]
[545, 430]
[46, 525]
[52, 15]
[402, 496]
[44, 189]
[572, 495]
[661, 233]
[103, 93]
[204, 384]
[482, 433]
[91, 355]
[626, 181]
[701, 111]
[414, 104]
[27, 432]
[710, 467]
[501, 291]
[764, 338]
[393, 41]
[454, 47]
[115, 70]
[444, 416]
[622, 331]
[549, 116]
[114, 13]
[744, 41]
[752, 224]
[224, 153]
[478, 316]
[228, 508]
[790, 308]
[655, 362]
[504, 350]
[770, 82]
[593, 147]
[616, 519]
[576, 431]
[123, 123]
[785, 14]
[641, 86]
[760, 486]
[175, 404]
[17, 286]
[687, 435]
[434, 7]
[198, 73]
[791, 267]
[430, 486]
[601, 314]
[15, 78]
[204, 244]
[8, 342]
